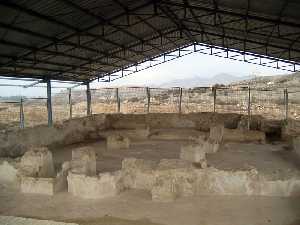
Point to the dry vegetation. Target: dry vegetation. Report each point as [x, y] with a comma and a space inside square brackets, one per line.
[134, 100]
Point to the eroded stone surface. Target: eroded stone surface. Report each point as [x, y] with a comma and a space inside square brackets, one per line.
[138, 173]
[193, 153]
[37, 162]
[94, 187]
[83, 161]
[37, 185]
[296, 145]
[9, 172]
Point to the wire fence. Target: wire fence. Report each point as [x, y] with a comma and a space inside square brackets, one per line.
[274, 104]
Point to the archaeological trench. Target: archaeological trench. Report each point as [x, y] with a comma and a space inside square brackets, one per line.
[199, 168]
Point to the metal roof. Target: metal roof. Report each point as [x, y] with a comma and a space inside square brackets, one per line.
[82, 40]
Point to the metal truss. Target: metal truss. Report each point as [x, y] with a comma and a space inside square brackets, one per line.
[141, 32]
[206, 49]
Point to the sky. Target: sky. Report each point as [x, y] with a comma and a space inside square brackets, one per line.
[195, 65]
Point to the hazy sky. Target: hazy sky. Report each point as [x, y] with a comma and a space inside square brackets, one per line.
[194, 65]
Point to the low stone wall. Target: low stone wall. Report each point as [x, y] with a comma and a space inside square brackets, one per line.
[173, 178]
[94, 187]
[16, 143]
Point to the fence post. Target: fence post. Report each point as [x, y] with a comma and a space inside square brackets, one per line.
[249, 107]
[214, 89]
[21, 114]
[49, 103]
[148, 99]
[286, 103]
[118, 100]
[180, 99]
[70, 104]
[88, 99]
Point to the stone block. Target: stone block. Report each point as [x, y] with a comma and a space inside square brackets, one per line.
[9, 174]
[138, 173]
[281, 188]
[83, 161]
[117, 142]
[210, 147]
[37, 185]
[61, 182]
[46, 186]
[296, 145]
[165, 188]
[95, 187]
[37, 162]
[193, 153]
[216, 133]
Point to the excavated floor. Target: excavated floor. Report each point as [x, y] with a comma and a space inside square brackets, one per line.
[275, 161]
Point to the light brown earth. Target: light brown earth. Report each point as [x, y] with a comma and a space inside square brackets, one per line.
[274, 161]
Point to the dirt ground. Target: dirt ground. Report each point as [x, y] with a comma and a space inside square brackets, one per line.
[275, 161]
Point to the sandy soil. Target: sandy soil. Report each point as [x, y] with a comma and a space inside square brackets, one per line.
[136, 207]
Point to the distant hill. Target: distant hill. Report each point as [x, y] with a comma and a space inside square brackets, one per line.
[222, 78]
[291, 81]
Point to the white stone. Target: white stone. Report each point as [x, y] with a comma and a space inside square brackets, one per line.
[95, 187]
[9, 175]
[83, 161]
[138, 173]
[37, 185]
[46, 186]
[165, 189]
[216, 133]
[210, 147]
[37, 162]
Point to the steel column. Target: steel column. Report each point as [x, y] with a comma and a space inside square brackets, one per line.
[70, 103]
[180, 99]
[148, 99]
[118, 100]
[49, 103]
[88, 99]
[21, 114]
[249, 107]
[286, 104]
[214, 90]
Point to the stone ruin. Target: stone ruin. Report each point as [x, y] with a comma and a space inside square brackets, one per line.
[165, 180]
[83, 180]
[38, 175]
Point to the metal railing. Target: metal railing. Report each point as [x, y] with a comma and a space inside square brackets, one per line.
[275, 104]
